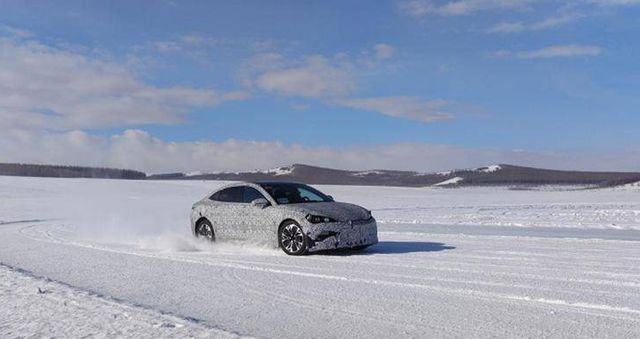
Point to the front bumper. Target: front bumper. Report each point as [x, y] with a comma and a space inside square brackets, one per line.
[336, 235]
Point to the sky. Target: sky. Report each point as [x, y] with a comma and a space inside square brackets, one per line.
[165, 86]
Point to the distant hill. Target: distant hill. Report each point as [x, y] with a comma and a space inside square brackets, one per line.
[495, 175]
[54, 171]
[483, 176]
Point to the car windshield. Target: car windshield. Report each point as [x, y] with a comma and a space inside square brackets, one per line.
[285, 193]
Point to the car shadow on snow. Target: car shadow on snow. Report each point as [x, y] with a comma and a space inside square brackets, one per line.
[394, 247]
[407, 247]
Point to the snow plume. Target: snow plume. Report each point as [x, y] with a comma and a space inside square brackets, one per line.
[128, 213]
[177, 242]
[153, 216]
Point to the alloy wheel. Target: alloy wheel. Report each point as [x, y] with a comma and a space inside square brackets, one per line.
[292, 239]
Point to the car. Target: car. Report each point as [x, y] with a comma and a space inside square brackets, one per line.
[293, 216]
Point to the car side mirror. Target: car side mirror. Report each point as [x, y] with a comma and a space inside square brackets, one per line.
[260, 202]
[330, 198]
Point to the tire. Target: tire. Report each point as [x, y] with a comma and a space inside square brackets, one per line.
[291, 239]
[204, 229]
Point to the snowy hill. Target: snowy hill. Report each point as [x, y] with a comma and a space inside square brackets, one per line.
[492, 175]
[452, 181]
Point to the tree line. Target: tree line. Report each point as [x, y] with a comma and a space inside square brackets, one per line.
[56, 171]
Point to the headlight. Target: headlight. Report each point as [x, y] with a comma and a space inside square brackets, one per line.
[316, 219]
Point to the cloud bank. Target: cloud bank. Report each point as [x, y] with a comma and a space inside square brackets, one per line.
[49, 95]
[139, 150]
[334, 81]
[53, 88]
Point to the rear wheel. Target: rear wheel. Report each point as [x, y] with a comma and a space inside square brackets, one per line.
[204, 229]
[291, 239]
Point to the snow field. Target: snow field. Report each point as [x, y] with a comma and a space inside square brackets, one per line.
[471, 262]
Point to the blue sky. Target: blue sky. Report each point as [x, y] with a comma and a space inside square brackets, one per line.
[420, 85]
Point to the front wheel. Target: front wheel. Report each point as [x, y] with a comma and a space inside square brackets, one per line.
[291, 239]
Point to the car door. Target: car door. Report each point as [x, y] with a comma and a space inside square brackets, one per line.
[255, 219]
[226, 213]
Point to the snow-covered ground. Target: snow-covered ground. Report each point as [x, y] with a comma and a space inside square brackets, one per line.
[33, 305]
[114, 258]
[452, 181]
[617, 208]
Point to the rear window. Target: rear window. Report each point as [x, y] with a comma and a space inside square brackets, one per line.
[251, 194]
[244, 194]
[231, 194]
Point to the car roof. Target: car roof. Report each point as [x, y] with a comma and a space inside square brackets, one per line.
[267, 182]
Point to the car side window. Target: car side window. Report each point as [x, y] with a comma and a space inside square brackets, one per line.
[307, 195]
[231, 194]
[251, 194]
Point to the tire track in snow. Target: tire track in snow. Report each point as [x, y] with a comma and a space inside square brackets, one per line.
[480, 283]
[622, 312]
[178, 321]
[302, 302]
[2, 223]
[464, 282]
[615, 282]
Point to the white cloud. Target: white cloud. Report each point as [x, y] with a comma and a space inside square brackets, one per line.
[404, 107]
[555, 21]
[557, 51]
[315, 76]
[14, 32]
[560, 51]
[167, 46]
[507, 27]
[615, 2]
[48, 87]
[333, 81]
[420, 8]
[139, 150]
[312, 76]
[547, 23]
[416, 8]
[190, 44]
[384, 51]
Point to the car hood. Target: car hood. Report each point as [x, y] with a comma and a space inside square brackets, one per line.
[337, 210]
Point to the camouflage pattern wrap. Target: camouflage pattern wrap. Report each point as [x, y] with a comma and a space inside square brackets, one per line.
[354, 225]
